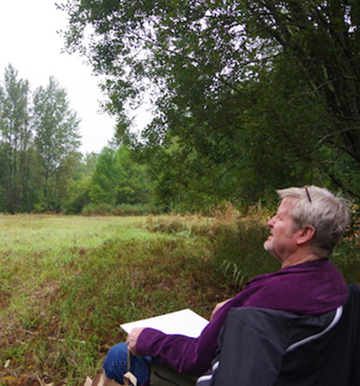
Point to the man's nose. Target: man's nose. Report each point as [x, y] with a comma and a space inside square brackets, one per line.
[271, 222]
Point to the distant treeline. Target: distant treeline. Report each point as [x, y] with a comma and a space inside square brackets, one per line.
[38, 145]
[246, 98]
[41, 169]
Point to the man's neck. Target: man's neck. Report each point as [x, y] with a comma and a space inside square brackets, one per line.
[299, 258]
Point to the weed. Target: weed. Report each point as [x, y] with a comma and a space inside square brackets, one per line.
[67, 283]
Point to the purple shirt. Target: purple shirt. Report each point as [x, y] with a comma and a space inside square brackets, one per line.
[306, 289]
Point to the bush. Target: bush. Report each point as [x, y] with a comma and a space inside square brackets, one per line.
[97, 210]
[239, 252]
[236, 243]
[119, 210]
[135, 210]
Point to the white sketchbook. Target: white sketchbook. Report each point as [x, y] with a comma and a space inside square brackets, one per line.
[183, 322]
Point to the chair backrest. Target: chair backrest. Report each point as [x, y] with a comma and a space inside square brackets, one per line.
[267, 347]
[343, 364]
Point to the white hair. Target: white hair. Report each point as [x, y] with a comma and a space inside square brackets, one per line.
[327, 213]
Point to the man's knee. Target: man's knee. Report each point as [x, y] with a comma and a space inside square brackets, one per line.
[115, 363]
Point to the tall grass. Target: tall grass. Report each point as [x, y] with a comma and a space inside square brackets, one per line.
[236, 242]
[237, 252]
[66, 283]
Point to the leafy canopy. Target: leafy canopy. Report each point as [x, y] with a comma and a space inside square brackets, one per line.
[263, 93]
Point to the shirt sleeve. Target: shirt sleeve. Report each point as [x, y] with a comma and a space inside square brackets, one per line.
[178, 351]
[184, 354]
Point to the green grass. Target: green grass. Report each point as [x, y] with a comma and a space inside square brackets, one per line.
[67, 282]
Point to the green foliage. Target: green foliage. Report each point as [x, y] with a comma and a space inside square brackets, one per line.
[67, 282]
[56, 141]
[118, 179]
[15, 152]
[78, 195]
[135, 210]
[38, 143]
[103, 188]
[236, 242]
[110, 183]
[40, 167]
[248, 96]
[61, 310]
[97, 209]
[93, 209]
[239, 252]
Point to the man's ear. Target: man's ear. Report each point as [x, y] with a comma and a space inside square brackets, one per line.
[306, 234]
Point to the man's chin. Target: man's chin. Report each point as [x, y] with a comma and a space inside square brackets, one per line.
[268, 245]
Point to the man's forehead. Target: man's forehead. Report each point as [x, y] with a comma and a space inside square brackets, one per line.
[285, 206]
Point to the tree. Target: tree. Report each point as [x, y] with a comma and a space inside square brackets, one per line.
[104, 180]
[15, 141]
[56, 143]
[322, 39]
[134, 186]
[240, 84]
[78, 191]
[118, 179]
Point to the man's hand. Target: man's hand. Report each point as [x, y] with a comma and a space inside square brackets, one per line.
[132, 339]
[217, 308]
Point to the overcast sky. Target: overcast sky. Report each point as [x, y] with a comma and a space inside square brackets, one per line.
[29, 42]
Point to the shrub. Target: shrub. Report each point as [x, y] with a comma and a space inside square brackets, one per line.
[236, 243]
[239, 252]
[97, 210]
[135, 210]
[119, 210]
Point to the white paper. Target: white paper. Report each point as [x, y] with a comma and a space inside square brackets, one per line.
[183, 322]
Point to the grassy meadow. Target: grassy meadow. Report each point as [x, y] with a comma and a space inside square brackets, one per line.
[67, 282]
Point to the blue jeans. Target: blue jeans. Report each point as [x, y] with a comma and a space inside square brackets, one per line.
[115, 364]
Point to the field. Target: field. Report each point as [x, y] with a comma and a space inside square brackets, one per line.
[67, 282]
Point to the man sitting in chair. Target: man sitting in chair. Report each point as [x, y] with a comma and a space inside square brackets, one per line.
[308, 224]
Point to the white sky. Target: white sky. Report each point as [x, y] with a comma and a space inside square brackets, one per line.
[29, 42]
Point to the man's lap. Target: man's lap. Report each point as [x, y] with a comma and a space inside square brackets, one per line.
[115, 364]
